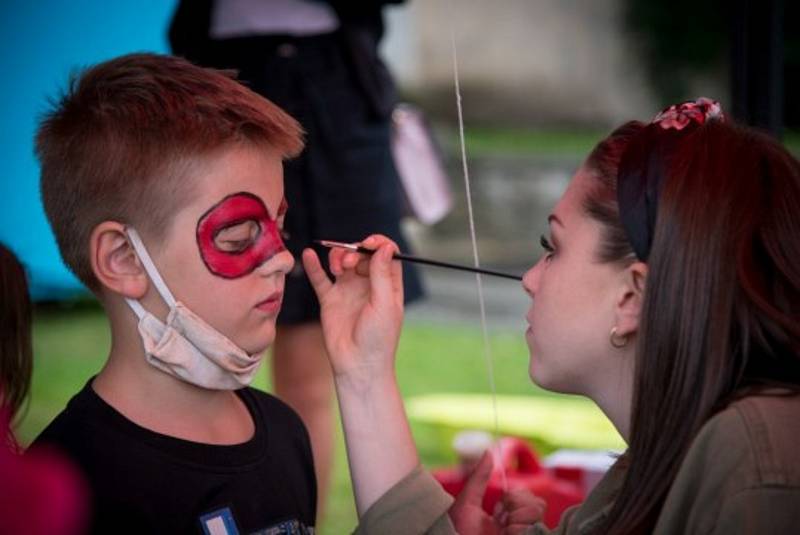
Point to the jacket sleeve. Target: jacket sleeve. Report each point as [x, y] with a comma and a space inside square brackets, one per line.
[564, 527]
[417, 504]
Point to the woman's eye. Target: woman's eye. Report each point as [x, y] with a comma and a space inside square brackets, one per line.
[238, 237]
[547, 246]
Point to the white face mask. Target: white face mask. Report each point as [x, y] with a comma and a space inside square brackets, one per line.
[187, 347]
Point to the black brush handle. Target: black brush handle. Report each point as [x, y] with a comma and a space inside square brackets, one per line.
[449, 265]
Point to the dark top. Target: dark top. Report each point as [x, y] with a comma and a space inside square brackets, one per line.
[146, 482]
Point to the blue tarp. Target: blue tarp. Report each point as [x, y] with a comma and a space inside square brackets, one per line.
[42, 42]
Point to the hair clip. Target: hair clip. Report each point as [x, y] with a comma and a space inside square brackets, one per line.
[678, 116]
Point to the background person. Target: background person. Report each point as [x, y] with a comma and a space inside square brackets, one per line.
[41, 493]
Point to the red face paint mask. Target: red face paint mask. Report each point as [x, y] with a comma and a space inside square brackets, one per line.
[237, 235]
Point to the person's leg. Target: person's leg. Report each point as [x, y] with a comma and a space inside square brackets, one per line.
[302, 378]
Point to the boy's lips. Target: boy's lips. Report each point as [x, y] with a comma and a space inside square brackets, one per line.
[271, 304]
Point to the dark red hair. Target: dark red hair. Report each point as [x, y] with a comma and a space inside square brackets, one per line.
[721, 313]
[16, 352]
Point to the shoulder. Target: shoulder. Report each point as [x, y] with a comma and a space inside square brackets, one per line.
[69, 427]
[268, 405]
[274, 414]
[757, 436]
[747, 449]
[286, 436]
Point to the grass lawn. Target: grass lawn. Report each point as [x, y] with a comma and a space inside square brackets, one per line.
[791, 139]
[482, 141]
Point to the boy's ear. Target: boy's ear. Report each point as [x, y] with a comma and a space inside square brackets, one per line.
[114, 261]
[631, 297]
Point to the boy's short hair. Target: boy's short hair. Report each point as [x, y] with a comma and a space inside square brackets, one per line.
[120, 142]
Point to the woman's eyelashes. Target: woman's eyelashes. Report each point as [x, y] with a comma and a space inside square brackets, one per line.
[236, 238]
[547, 246]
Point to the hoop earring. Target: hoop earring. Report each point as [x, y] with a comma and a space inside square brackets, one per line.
[616, 341]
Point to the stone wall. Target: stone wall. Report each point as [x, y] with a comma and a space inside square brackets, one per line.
[541, 62]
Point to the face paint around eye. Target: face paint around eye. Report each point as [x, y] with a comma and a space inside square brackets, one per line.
[229, 261]
[236, 238]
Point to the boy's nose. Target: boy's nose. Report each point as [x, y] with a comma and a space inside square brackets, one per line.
[282, 262]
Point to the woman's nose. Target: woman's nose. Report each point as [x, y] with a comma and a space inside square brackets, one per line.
[530, 280]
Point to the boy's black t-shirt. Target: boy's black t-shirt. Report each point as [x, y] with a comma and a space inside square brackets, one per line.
[145, 482]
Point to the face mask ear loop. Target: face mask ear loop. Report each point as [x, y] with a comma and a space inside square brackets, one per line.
[150, 268]
[138, 309]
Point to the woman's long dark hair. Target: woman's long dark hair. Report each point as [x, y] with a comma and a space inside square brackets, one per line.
[721, 313]
[16, 353]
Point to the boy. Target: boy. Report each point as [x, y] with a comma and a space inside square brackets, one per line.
[163, 183]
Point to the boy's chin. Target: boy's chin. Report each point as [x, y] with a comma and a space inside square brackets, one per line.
[258, 341]
[256, 348]
[260, 344]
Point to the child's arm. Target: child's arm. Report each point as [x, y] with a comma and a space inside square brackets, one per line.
[362, 313]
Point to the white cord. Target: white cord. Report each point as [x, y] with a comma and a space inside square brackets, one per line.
[486, 346]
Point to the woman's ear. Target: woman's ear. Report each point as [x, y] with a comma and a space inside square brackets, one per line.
[631, 298]
[114, 261]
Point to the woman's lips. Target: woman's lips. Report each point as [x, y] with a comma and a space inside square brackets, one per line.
[271, 304]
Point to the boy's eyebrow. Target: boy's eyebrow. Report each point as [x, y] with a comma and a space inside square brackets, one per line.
[554, 218]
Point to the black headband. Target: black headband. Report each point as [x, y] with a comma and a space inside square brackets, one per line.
[644, 163]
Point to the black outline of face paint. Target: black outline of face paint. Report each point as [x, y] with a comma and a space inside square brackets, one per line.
[215, 232]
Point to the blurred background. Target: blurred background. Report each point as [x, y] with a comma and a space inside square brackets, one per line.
[542, 81]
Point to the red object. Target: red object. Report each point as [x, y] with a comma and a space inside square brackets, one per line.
[522, 471]
[233, 210]
[41, 492]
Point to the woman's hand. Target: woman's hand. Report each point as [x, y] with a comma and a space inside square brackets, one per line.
[520, 509]
[362, 311]
[361, 314]
[467, 512]
[517, 511]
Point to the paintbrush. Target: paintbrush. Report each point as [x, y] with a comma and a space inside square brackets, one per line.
[417, 260]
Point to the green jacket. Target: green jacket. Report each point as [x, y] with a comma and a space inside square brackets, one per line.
[740, 475]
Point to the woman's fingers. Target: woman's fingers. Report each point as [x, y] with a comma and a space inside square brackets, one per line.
[475, 486]
[361, 262]
[350, 259]
[397, 277]
[526, 515]
[335, 260]
[319, 279]
[384, 273]
[381, 271]
[522, 508]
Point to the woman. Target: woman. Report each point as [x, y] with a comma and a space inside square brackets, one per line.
[16, 353]
[40, 493]
[669, 294]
